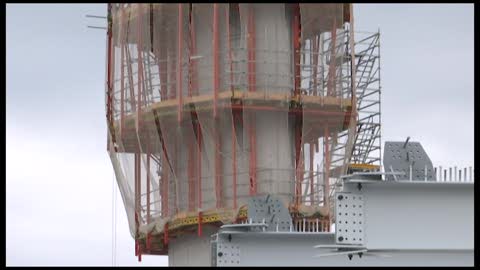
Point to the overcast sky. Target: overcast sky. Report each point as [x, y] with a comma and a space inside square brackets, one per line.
[59, 176]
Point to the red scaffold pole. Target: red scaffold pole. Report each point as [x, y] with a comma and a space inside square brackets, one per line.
[216, 82]
[199, 170]
[218, 166]
[252, 88]
[179, 62]
[122, 79]
[229, 44]
[148, 196]
[234, 138]
[234, 160]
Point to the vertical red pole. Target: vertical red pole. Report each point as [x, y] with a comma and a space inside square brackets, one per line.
[148, 196]
[192, 50]
[252, 88]
[109, 64]
[139, 191]
[200, 217]
[110, 76]
[216, 84]
[227, 15]
[298, 118]
[216, 81]
[136, 247]
[253, 157]
[122, 72]
[179, 62]
[122, 89]
[137, 200]
[140, 64]
[218, 167]
[139, 105]
[175, 191]
[193, 76]
[251, 50]
[234, 115]
[191, 150]
[112, 73]
[165, 234]
[139, 183]
[199, 170]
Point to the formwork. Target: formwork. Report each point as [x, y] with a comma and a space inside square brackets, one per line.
[210, 104]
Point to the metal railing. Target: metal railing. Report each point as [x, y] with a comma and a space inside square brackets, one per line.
[454, 174]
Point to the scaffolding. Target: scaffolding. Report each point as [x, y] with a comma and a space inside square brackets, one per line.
[367, 146]
[211, 104]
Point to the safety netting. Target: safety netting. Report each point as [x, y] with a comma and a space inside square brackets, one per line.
[210, 104]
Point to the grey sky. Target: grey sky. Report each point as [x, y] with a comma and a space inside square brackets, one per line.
[59, 176]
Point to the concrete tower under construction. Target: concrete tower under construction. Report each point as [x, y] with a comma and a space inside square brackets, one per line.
[211, 104]
[214, 107]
